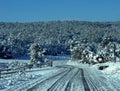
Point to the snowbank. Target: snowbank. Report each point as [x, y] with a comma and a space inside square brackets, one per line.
[113, 71]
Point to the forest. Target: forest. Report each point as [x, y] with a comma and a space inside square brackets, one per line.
[53, 36]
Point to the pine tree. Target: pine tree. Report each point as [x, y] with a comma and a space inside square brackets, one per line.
[36, 54]
[76, 49]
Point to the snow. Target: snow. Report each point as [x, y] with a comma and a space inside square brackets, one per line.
[113, 69]
[15, 81]
[77, 64]
[112, 72]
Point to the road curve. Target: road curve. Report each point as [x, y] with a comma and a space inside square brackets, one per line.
[74, 79]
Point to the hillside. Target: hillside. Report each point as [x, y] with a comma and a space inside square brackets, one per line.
[54, 35]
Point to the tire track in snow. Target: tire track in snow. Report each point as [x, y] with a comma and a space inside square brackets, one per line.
[86, 86]
[92, 81]
[63, 81]
[56, 84]
[69, 84]
[62, 74]
[97, 82]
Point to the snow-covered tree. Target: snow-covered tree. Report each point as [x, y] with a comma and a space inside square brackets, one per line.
[105, 42]
[36, 54]
[76, 49]
[111, 49]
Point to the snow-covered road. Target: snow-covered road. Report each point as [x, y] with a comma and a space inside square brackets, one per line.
[71, 78]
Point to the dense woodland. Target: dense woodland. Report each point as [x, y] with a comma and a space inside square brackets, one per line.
[53, 36]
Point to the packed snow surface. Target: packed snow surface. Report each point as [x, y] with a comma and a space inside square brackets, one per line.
[32, 75]
[111, 75]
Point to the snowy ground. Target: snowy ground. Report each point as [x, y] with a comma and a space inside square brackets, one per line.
[112, 71]
[15, 80]
[33, 75]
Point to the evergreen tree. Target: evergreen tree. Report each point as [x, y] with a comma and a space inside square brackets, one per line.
[36, 54]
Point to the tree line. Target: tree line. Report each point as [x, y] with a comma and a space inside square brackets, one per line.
[54, 36]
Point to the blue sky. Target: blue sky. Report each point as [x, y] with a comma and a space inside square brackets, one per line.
[47, 10]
